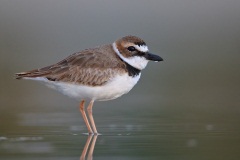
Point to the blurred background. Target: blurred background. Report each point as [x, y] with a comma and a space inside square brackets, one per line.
[187, 106]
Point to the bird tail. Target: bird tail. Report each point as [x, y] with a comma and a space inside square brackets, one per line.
[30, 74]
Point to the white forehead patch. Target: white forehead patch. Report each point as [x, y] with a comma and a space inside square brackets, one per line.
[141, 48]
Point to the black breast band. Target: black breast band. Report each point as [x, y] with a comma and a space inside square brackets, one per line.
[132, 71]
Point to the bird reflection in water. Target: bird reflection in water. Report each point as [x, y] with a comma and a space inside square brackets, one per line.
[93, 139]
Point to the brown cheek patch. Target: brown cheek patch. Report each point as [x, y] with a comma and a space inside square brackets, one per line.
[123, 48]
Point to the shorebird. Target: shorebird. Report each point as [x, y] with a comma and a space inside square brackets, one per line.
[97, 74]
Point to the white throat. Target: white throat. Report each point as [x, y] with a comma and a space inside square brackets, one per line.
[135, 61]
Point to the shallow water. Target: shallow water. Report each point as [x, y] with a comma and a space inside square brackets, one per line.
[175, 135]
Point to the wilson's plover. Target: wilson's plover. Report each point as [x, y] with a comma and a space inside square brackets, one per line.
[97, 74]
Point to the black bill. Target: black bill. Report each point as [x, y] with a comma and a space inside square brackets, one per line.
[153, 57]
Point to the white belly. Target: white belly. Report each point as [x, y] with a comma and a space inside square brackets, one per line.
[115, 88]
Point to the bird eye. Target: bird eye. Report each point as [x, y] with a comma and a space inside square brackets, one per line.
[131, 48]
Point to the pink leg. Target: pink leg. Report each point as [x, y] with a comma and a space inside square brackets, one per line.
[89, 109]
[85, 117]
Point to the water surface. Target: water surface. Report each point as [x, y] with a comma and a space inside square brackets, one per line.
[62, 135]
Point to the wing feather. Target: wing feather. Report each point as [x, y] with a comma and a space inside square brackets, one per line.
[89, 67]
